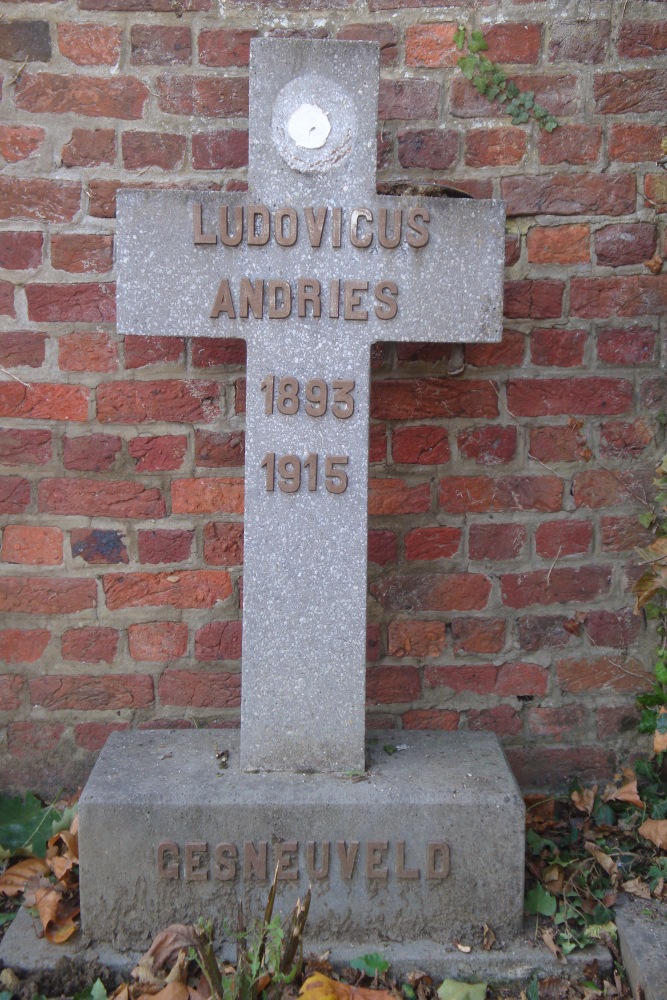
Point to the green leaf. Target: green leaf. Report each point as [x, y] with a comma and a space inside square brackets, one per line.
[512, 89]
[460, 37]
[25, 824]
[389, 748]
[537, 843]
[95, 992]
[533, 989]
[477, 42]
[451, 989]
[528, 99]
[6, 995]
[604, 815]
[408, 992]
[6, 918]
[468, 66]
[538, 900]
[480, 83]
[371, 965]
[646, 519]
[492, 92]
[550, 124]
[661, 677]
[63, 821]
[659, 811]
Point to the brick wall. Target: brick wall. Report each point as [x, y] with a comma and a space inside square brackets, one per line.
[504, 501]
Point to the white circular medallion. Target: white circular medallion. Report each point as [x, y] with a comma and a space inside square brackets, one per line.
[313, 123]
[309, 126]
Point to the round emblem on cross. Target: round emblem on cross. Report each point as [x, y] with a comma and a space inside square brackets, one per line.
[313, 124]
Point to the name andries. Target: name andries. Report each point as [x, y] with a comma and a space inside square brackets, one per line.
[276, 298]
[197, 861]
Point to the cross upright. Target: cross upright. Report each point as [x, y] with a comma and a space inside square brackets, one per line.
[311, 267]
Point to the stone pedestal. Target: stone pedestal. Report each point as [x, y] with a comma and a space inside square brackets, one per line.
[425, 849]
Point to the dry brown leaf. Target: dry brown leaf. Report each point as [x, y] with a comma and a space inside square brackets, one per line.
[660, 739]
[173, 991]
[15, 878]
[465, 948]
[636, 887]
[67, 845]
[605, 862]
[165, 948]
[179, 970]
[585, 800]
[60, 866]
[654, 265]
[121, 993]
[553, 879]
[58, 933]
[655, 830]
[489, 938]
[320, 987]
[539, 811]
[548, 938]
[627, 792]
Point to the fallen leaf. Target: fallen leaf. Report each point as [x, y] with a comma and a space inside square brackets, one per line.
[654, 265]
[605, 861]
[655, 830]
[660, 734]
[539, 811]
[636, 887]
[320, 987]
[548, 938]
[14, 879]
[585, 800]
[165, 948]
[173, 991]
[59, 932]
[554, 878]
[627, 792]
[465, 948]
[489, 938]
[451, 989]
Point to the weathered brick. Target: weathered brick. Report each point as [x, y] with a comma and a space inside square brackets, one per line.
[90, 644]
[501, 719]
[25, 41]
[478, 635]
[158, 641]
[557, 94]
[215, 450]
[408, 99]
[420, 445]
[90, 44]
[91, 693]
[527, 397]
[160, 45]
[534, 299]
[19, 645]
[93, 735]
[174, 400]
[178, 589]
[382, 32]
[142, 351]
[20, 251]
[32, 545]
[28, 198]
[90, 453]
[506, 354]
[377, 443]
[392, 685]
[214, 96]
[21, 447]
[98, 546]
[18, 142]
[512, 248]
[7, 307]
[574, 144]
[432, 543]
[601, 673]
[544, 632]
[218, 641]
[11, 692]
[633, 243]
[72, 303]
[617, 629]
[158, 454]
[609, 487]
[496, 541]
[87, 352]
[431, 45]
[223, 543]
[426, 398]
[554, 539]
[630, 91]
[479, 679]
[142, 150]
[653, 393]
[96, 97]
[616, 721]
[42, 401]
[555, 194]
[622, 534]
[395, 496]
[89, 148]
[225, 46]
[82, 253]
[642, 39]
[197, 689]
[489, 445]
[558, 723]
[633, 346]
[555, 586]
[99, 498]
[226, 149]
[415, 638]
[632, 142]
[559, 244]
[495, 147]
[655, 192]
[467, 494]
[164, 545]
[559, 444]
[207, 496]
[46, 596]
[621, 439]
[102, 199]
[436, 592]
[431, 718]
[29, 739]
[431, 148]
[209, 352]
[513, 42]
[558, 348]
[579, 41]
[382, 547]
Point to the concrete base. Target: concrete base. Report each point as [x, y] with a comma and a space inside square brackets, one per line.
[642, 933]
[424, 851]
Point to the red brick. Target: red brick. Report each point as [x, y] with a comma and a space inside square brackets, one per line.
[93, 735]
[19, 645]
[655, 190]
[82, 254]
[625, 440]
[622, 534]
[653, 392]
[32, 545]
[467, 494]
[559, 444]
[90, 44]
[432, 543]
[574, 144]
[395, 496]
[558, 348]
[480, 679]
[426, 398]
[226, 149]
[501, 719]
[99, 498]
[90, 644]
[20, 447]
[92, 453]
[617, 629]
[408, 99]
[513, 43]
[214, 450]
[431, 45]
[557, 723]
[420, 445]
[158, 641]
[174, 400]
[46, 596]
[495, 147]
[431, 148]
[89, 148]
[431, 718]
[160, 45]
[14, 494]
[7, 307]
[506, 354]
[555, 194]
[634, 143]
[97, 97]
[381, 32]
[143, 351]
[625, 244]
[98, 546]
[496, 541]
[384, 149]
[512, 248]
[207, 496]
[554, 539]
[164, 545]
[196, 689]
[557, 94]
[102, 199]
[176, 589]
[559, 244]
[534, 299]
[555, 586]
[30, 739]
[433, 592]
[89, 693]
[415, 638]
[617, 721]
[478, 635]
[158, 454]
[382, 547]
[601, 673]
[25, 41]
[630, 91]
[609, 487]
[527, 397]
[223, 543]
[392, 685]
[544, 632]
[28, 198]
[225, 47]
[11, 691]
[642, 39]
[372, 643]
[218, 641]
[635, 346]
[489, 445]
[579, 41]
[142, 150]
[20, 251]
[18, 142]
[377, 443]
[87, 352]
[214, 96]
[210, 352]
[72, 303]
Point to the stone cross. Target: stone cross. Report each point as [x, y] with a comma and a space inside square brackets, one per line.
[311, 267]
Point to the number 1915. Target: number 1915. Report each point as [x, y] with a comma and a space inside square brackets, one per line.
[290, 472]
